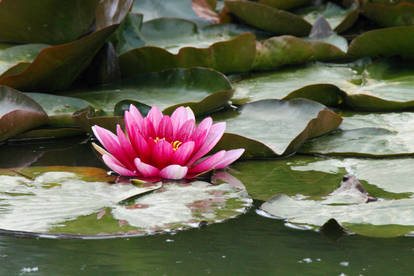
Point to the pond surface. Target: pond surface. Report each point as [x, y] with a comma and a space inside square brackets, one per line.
[248, 245]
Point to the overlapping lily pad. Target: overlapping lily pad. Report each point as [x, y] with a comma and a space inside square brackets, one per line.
[270, 128]
[18, 113]
[45, 21]
[57, 67]
[373, 134]
[204, 90]
[285, 4]
[56, 201]
[339, 18]
[400, 14]
[379, 86]
[267, 18]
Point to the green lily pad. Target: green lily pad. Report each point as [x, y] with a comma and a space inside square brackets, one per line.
[161, 47]
[339, 19]
[12, 56]
[152, 9]
[394, 41]
[286, 50]
[268, 18]
[79, 202]
[368, 134]
[285, 4]
[204, 90]
[270, 128]
[378, 86]
[56, 67]
[18, 113]
[59, 108]
[400, 14]
[316, 177]
[45, 21]
[49, 133]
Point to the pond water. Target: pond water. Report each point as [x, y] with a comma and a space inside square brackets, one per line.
[247, 245]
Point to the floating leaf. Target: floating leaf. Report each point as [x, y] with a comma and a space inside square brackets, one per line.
[270, 128]
[339, 19]
[374, 134]
[49, 133]
[18, 113]
[384, 43]
[59, 108]
[55, 68]
[285, 4]
[400, 14]
[45, 21]
[268, 18]
[378, 86]
[79, 201]
[18, 55]
[204, 90]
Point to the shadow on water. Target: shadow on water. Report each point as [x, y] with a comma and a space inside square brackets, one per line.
[248, 245]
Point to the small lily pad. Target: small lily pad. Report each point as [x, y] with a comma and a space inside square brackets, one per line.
[79, 202]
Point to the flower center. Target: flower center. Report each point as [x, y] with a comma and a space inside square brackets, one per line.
[175, 144]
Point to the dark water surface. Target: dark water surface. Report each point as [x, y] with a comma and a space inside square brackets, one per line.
[248, 245]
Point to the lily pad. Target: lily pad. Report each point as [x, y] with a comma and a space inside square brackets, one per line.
[59, 108]
[368, 134]
[45, 21]
[56, 67]
[270, 128]
[394, 41]
[79, 202]
[339, 19]
[267, 18]
[285, 4]
[18, 113]
[204, 90]
[378, 86]
[400, 14]
[15, 55]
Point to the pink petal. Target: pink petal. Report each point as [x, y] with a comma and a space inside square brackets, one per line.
[116, 166]
[145, 169]
[142, 148]
[111, 144]
[230, 157]
[201, 132]
[155, 116]
[178, 118]
[190, 113]
[148, 129]
[162, 153]
[182, 154]
[173, 172]
[186, 131]
[208, 163]
[215, 134]
[135, 114]
[165, 128]
[125, 144]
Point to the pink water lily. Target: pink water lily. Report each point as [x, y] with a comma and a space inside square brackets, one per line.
[163, 146]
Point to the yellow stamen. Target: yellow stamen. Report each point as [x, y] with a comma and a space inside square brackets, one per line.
[176, 145]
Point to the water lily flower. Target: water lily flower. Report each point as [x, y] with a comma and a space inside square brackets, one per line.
[163, 146]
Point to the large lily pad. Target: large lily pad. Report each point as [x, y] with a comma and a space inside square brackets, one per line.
[268, 18]
[394, 41]
[316, 177]
[378, 86]
[79, 201]
[271, 128]
[204, 90]
[57, 67]
[18, 113]
[400, 14]
[45, 21]
[373, 134]
[24, 54]
[285, 4]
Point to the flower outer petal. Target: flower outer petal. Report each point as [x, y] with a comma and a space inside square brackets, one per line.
[182, 154]
[116, 166]
[145, 169]
[229, 157]
[208, 163]
[178, 118]
[165, 128]
[174, 172]
[186, 131]
[162, 153]
[125, 144]
[215, 134]
[190, 113]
